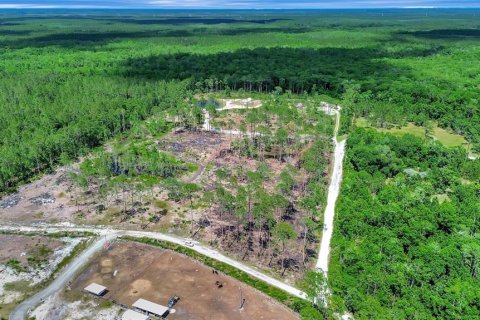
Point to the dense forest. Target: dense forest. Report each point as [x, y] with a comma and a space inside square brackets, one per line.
[46, 119]
[406, 238]
[407, 226]
[80, 79]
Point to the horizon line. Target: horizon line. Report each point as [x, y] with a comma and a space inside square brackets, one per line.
[73, 7]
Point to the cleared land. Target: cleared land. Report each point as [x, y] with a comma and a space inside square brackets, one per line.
[26, 261]
[27, 248]
[445, 137]
[276, 178]
[147, 272]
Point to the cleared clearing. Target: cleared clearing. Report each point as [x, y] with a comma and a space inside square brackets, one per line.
[445, 137]
[25, 262]
[142, 271]
[449, 139]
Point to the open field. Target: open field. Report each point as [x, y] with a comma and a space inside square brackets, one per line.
[449, 139]
[410, 128]
[239, 103]
[445, 137]
[27, 248]
[155, 274]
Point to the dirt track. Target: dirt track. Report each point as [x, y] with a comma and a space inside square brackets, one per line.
[151, 273]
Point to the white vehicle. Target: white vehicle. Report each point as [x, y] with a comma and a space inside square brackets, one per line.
[189, 243]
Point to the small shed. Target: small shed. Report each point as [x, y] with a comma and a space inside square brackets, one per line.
[96, 289]
[134, 315]
[150, 307]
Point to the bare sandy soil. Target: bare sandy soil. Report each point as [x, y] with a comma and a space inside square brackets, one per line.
[212, 151]
[21, 247]
[147, 272]
[45, 199]
[55, 308]
[57, 198]
[239, 103]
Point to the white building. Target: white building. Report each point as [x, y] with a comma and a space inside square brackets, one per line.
[96, 289]
[134, 315]
[150, 307]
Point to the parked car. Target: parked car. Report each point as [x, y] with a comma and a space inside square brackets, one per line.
[173, 301]
[189, 243]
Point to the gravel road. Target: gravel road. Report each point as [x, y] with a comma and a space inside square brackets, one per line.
[107, 234]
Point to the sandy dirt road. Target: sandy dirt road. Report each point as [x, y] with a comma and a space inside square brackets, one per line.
[20, 312]
[333, 192]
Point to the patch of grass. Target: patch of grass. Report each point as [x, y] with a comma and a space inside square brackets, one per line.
[160, 204]
[39, 255]
[105, 304]
[71, 296]
[192, 167]
[278, 294]
[410, 128]
[5, 310]
[362, 122]
[445, 137]
[15, 265]
[18, 286]
[70, 234]
[38, 215]
[442, 198]
[449, 139]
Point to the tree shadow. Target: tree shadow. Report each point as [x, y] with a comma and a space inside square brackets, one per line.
[240, 31]
[5, 24]
[263, 69]
[14, 32]
[77, 39]
[449, 34]
[95, 38]
[194, 20]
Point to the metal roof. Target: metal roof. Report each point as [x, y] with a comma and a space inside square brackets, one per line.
[151, 307]
[134, 315]
[95, 288]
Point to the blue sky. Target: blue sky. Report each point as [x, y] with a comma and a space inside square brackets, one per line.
[237, 4]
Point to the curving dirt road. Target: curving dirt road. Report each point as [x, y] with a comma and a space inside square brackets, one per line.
[20, 312]
[108, 234]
